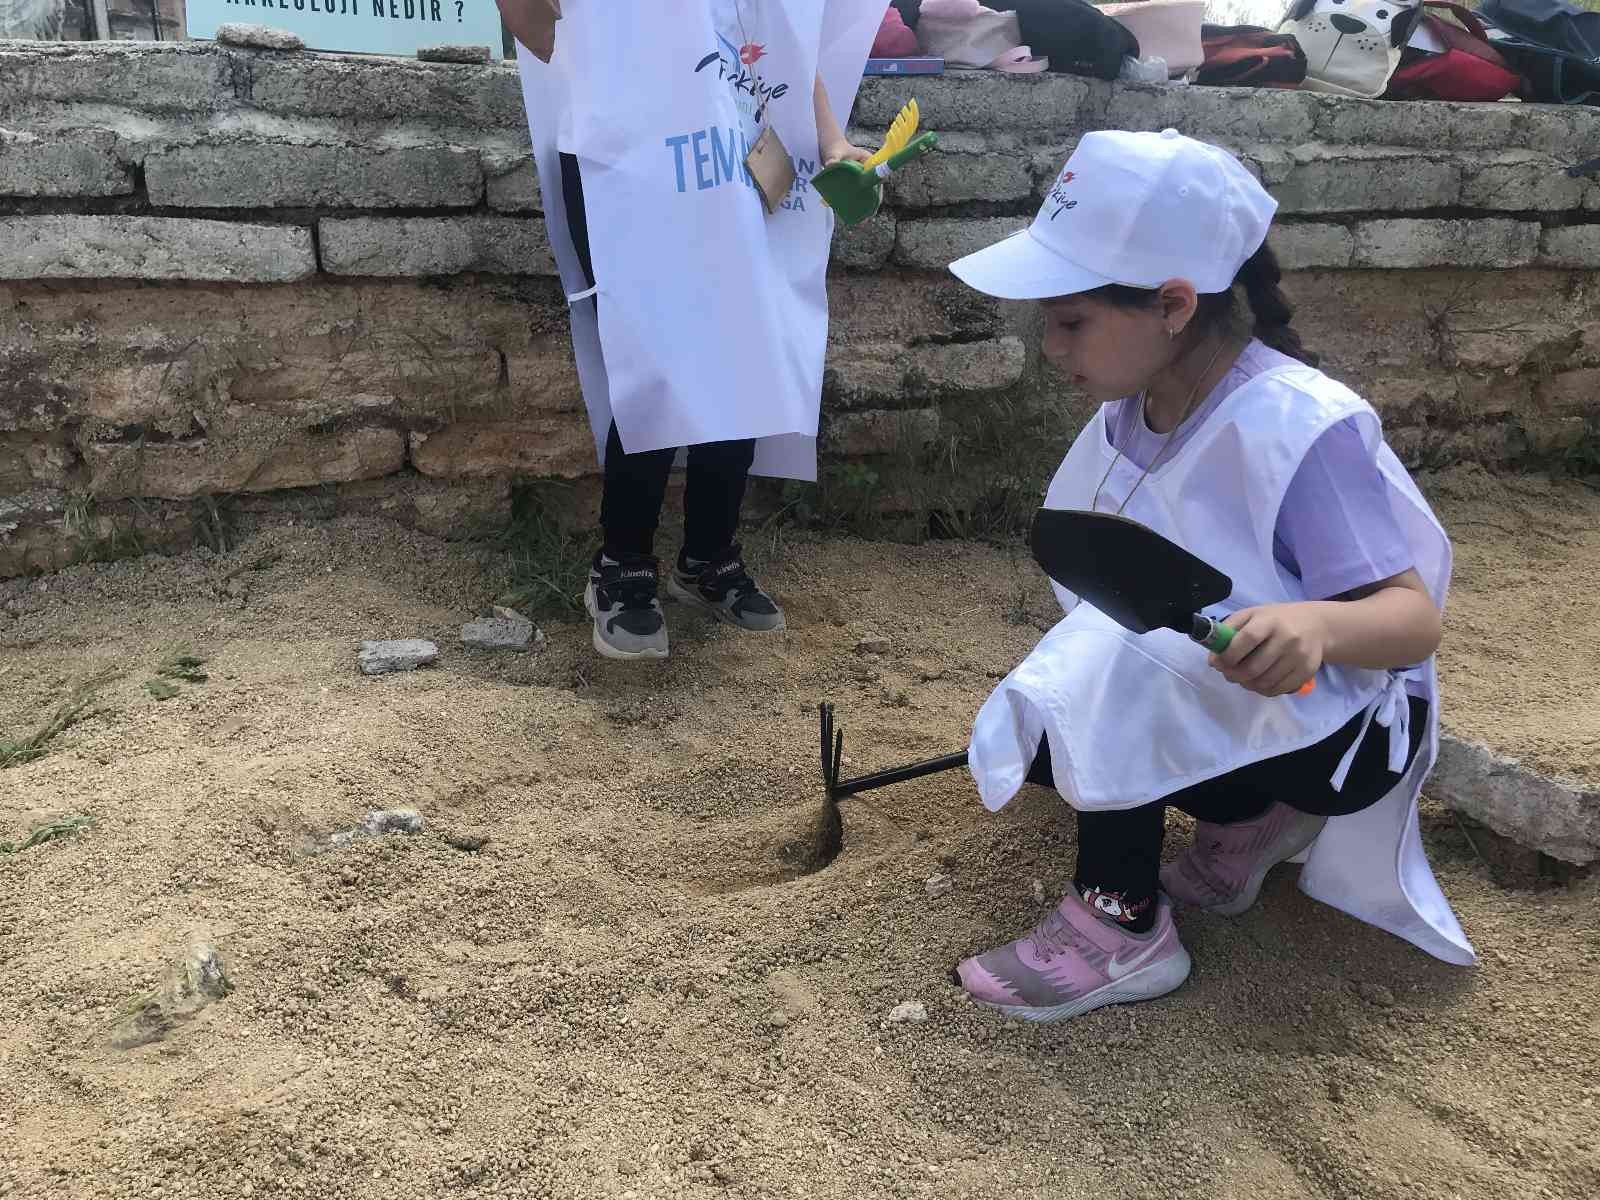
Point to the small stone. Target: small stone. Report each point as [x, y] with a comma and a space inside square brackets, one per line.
[896, 697]
[236, 587]
[724, 1173]
[471, 843]
[407, 654]
[778, 1020]
[1038, 892]
[191, 983]
[940, 885]
[929, 672]
[497, 633]
[873, 644]
[1335, 1091]
[198, 979]
[258, 37]
[454, 54]
[391, 820]
[865, 673]
[1376, 993]
[913, 1011]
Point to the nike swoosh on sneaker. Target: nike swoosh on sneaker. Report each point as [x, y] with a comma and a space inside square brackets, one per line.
[1116, 968]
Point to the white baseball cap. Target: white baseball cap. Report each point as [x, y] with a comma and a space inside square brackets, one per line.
[1136, 209]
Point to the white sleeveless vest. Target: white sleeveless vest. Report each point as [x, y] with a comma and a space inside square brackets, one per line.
[1133, 717]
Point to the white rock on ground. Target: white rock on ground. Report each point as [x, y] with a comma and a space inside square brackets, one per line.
[392, 820]
[911, 1011]
[1558, 818]
[940, 885]
[380, 658]
[379, 822]
[498, 633]
[190, 984]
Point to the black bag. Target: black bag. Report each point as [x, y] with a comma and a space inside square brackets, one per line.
[1074, 35]
[1554, 45]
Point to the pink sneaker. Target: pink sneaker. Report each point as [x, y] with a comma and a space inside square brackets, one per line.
[1076, 961]
[1222, 871]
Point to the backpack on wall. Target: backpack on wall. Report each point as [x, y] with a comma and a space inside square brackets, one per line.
[966, 33]
[1554, 45]
[1073, 34]
[1352, 47]
[1460, 62]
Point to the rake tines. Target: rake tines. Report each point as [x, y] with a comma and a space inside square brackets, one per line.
[832, 750]
[833, 760]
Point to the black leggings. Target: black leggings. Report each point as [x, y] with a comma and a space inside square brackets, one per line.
[636, 484]
[1121, 851]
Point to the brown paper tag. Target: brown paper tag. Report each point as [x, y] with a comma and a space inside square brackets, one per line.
[770, 166]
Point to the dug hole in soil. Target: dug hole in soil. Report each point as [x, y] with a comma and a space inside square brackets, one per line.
[631, 991]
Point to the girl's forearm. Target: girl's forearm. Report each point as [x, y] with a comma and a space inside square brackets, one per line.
[829, 135]
[1395, 626]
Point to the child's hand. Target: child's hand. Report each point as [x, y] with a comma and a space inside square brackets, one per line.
[533, 23]
[844, 151]
[1276, 648]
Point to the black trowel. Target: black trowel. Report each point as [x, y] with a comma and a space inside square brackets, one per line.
[1138, 578]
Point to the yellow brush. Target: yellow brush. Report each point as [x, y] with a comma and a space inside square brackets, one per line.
[901, 131]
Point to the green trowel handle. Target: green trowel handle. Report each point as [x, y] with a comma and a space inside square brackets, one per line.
[912, 150]
[1217, 637]
[1213, 635]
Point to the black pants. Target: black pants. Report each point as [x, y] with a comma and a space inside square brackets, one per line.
[1121, 851]
[636, 484]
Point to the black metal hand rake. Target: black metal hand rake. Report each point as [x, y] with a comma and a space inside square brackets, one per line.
[833, 759]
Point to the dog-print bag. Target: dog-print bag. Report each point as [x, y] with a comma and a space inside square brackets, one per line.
[1351, 46]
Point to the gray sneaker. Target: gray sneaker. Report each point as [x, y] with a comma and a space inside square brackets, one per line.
[621, 597]
[724, 589]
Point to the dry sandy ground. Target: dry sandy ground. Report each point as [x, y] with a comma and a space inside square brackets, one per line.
[621, 995]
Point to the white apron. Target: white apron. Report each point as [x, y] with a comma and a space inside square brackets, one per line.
[713, 316]
[1133, 717]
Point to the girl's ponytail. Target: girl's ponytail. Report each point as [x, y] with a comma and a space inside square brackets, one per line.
[1271, 309]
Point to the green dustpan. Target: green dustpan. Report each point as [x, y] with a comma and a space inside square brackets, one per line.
[855, 190]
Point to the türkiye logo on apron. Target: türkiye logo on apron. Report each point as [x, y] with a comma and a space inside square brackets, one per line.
[713, 157]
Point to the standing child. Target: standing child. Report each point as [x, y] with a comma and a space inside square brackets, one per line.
[1234, 446]
[676, 144]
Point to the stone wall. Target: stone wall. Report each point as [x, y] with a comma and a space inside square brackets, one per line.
[227, 272]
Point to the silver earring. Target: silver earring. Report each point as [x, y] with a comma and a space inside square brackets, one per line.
[1171, 333]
